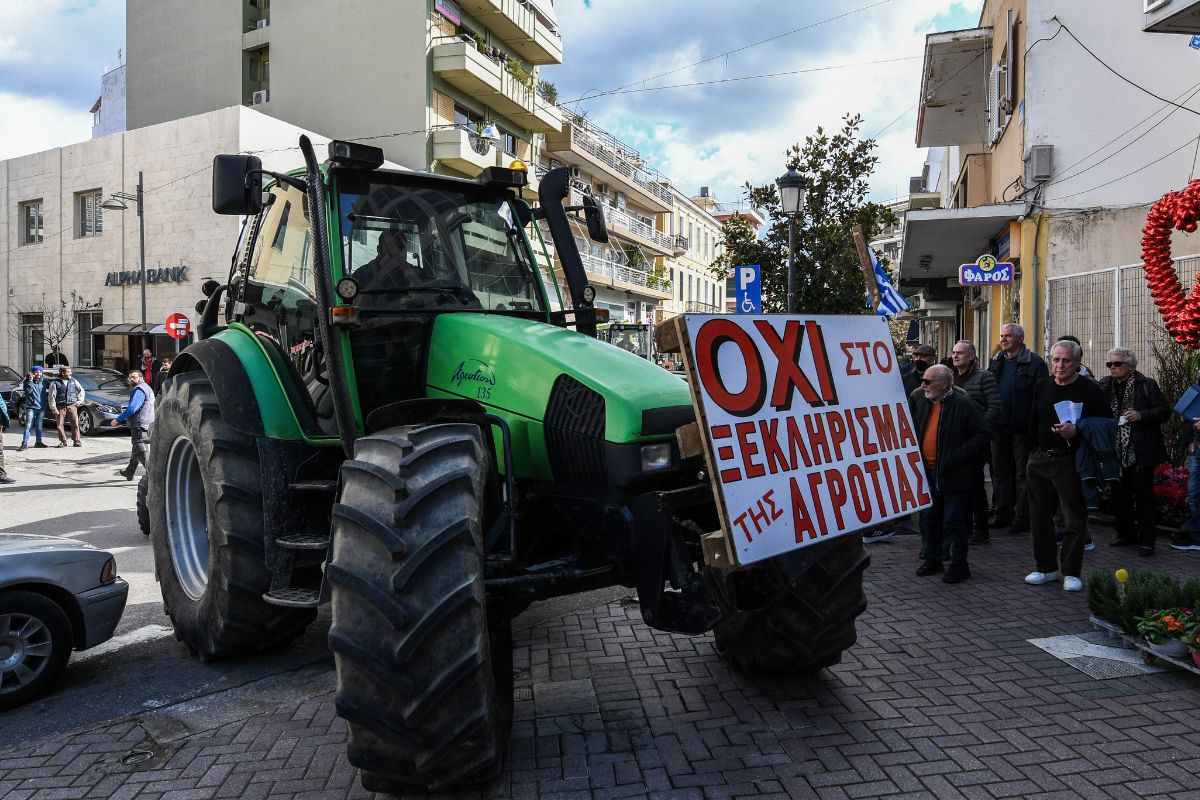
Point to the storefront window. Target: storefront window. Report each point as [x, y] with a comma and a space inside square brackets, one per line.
[85, 321]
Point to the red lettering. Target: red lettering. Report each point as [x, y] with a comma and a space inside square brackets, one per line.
[817, 442]
[837, 494]
[850, 426]
[732, 475]
[801, 522]
[748, 448]
[796, 443]
[760, 519]
[741, 521]
[885, 428]
[768, 431]
[788, 375]
[884, 363]
[872, 469]
[914, 461]
[907, 500]
[858, 493]
[709, 339]
[887, 476]
[837, 432]
[814, 480]
[906, 432]
[774, 510]
[816, 343]
[860, 416]
[850, 368]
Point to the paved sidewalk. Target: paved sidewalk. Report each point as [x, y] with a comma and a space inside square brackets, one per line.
[942, 697]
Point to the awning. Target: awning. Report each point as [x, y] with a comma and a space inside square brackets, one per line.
[954, 83]
[938, 241]
[127, 329]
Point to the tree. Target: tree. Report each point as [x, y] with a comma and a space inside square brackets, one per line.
[828, 278]
[59, 317]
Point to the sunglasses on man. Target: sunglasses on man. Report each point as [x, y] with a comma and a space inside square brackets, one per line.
[1111, 364]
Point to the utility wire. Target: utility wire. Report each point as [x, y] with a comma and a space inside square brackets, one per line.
[957, 72]
[1158, 160]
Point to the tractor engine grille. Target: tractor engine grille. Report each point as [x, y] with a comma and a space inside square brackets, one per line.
[575, 433]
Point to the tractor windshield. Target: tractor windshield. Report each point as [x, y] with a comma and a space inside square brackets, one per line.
[434, 247]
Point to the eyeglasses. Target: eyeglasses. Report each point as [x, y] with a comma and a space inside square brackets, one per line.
[927, 382]
[1111, 364]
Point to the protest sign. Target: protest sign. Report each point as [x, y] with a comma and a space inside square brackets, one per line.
[809, 433]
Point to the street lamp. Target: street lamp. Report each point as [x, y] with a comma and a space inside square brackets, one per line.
[116, 203]
[791, 197]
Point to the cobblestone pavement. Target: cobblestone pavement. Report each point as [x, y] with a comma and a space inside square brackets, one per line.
[941, 697]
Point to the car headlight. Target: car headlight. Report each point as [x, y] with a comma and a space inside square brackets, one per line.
[656, 457]
[109, 409]
[108, 573]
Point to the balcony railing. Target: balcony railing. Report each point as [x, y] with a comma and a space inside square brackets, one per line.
[623, 219]
[612, 153]
[681, 243]
[623, 272]
[693, 307]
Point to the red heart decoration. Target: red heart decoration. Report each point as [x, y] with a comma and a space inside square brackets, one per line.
[1181, 313]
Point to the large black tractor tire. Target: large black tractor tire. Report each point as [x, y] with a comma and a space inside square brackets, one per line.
[143, 505]
[808, 628]
[423, 681]
[207, 528]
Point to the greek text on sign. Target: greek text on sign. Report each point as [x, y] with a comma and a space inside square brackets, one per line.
[810, 428]
[985, 271]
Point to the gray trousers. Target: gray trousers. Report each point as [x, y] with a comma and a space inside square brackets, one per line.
[140, 440]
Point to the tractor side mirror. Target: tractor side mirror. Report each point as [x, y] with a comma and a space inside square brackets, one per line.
[594, 215]
[237, 184]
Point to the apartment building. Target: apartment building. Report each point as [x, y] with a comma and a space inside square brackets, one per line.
[889, 243]
[1047, 147]
[447, 85]
[630, 273]
[696, 290]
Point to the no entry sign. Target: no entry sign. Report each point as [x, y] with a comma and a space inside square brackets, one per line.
[178, 326]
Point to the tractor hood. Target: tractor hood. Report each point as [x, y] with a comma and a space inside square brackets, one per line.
[518, 366]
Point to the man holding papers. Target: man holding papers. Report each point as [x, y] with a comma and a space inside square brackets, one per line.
[1053, 482]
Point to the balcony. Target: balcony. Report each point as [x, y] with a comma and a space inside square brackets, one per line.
[622, 276]
[520, 28]
[463, 150]
[679, 246]
[645, 235]
[462, 66]
[599, 152]
[694, 307]
[954, 89]
[257, 34]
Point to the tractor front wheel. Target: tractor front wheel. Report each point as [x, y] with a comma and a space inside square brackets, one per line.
[206, 514]
[807, 628]
[423, 680]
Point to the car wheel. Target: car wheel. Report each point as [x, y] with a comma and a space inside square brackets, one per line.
[87, 425]
[35, 643]
[22, 415]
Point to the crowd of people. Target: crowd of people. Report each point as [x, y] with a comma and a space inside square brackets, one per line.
[1055, 441]
[60, 398]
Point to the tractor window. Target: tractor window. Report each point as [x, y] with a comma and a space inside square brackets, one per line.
[280, 297]
[435, 248]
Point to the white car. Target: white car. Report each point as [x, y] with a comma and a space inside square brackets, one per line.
[56, 595]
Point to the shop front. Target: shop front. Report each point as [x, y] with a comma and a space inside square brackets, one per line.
[119, 346]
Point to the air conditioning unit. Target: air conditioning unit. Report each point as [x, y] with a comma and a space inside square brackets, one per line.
[916, 185]
[261, 96]
[262, 23]
[574, 172]
[602, 189]
[1038, 164]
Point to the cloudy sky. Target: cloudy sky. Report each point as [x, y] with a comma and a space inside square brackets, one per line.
[53, 52]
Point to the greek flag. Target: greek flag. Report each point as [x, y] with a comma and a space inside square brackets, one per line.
[890, 301]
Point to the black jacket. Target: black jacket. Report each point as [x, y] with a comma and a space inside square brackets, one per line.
[962, 441]
[1148, 400]
[1030, 369]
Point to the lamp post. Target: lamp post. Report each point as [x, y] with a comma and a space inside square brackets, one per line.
[116, 203]
[791, 198]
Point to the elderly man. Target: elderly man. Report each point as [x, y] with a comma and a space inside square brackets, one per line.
[954, 437]
[1017, 370]
[1053, 480]
[1140, 409]
[981, 386]
[920, 357]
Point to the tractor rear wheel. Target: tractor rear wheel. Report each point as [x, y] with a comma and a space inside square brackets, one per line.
[807, 628]
[206, 510]
[424, 678]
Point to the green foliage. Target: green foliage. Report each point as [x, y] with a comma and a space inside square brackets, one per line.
[1175, 371]
[548, 92]
[522, 75]
[1147, 591]
[828, 278]
[634, 257]
[1104, 596]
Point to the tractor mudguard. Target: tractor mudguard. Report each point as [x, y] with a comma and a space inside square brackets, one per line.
[252, 397]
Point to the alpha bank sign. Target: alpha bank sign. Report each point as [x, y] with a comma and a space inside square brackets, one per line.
[160, 275]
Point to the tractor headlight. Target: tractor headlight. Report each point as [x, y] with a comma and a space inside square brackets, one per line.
[656, 457]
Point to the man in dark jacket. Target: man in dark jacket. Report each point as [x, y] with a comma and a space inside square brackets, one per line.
[1017, 370]
[954, 437]
[1140, 409]
[981, 386]
[921, 356]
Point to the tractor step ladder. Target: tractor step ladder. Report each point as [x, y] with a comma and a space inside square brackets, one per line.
[280, 593]
[293, 598]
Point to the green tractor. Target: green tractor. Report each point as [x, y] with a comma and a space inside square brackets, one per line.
[389, 409]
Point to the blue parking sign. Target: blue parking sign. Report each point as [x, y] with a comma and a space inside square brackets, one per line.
[747, 281]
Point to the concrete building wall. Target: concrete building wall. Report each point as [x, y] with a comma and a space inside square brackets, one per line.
[175, 159]
[110, 118]
[1078, 106]
[184, 58]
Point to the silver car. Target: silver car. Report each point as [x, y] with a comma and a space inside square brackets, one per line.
[56, 595]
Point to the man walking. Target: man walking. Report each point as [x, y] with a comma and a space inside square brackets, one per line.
[149, 367]
[33, 392]
[63, 397]
[1017, 370]
[4, 423]
[980, 385]
[140, 414]
[1054, 482]
[954, 437]
[1140, 409]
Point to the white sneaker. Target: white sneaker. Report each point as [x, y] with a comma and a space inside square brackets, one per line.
[1071, 584]
[1038, 578]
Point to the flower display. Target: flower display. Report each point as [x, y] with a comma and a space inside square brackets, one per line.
[1168, 623]
[1181, 312]
[1170, 492]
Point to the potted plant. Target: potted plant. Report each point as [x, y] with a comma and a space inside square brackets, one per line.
[1165, 631]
